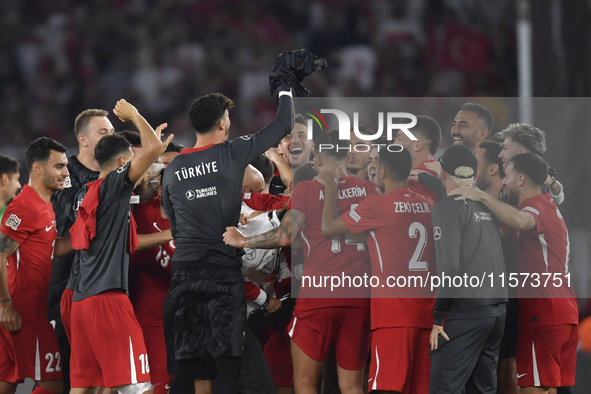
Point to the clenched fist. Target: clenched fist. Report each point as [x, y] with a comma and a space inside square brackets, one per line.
[124, 110]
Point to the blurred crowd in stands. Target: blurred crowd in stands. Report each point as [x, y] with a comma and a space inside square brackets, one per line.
[60, 57]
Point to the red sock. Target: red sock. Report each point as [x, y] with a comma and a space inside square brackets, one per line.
[40, 390]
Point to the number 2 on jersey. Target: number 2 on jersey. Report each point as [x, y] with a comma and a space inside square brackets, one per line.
[415, 263]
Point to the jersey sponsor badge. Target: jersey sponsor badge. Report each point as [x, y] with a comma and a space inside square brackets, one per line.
[436, 233]
[120, 169]
[478, 216]
[246, 137]
[190, 195]
[13, 222]
[354, 215]
[246, 196]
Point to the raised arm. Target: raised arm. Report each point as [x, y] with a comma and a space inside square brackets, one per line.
[507, 214]
[282, 166]
[152, 146]
[9, 317]
[332, 223]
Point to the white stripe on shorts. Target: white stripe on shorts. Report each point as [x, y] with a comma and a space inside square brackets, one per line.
[375, 378]
[295, 320]
[535, 364]
[37, 362]
[132, 363]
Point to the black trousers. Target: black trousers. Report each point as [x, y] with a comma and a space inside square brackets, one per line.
[469, 359]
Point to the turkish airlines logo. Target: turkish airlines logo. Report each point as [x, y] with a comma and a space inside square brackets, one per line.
[190, 195]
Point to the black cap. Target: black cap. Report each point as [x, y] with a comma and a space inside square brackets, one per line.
[458, 156]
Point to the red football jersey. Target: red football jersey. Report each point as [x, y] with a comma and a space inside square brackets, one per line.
[30, 221]
[400, 240]
[546, 249]
[345, 255]
[423, 190]
[151, 268]
[265, 201]
[423, 167]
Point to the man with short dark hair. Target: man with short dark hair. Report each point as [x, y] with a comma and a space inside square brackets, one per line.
[9, 184]
[133, 137]
[468, 321]
[265, 166]
[490, 167]
[472, 125]
[548, 317]
[104, 234]
[293, 150]
[28, 243]
[201, 195]
[428, 134]
[359, 154]
[400, 244]
[172, 150]
[90, 126]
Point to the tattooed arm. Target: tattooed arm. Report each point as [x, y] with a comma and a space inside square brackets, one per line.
[292, 223]
[9, 317]
[148, 184]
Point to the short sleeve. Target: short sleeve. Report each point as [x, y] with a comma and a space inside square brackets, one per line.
[364, 216]
[299, 197]
[117, 183]
[534, 209]
[19, 221]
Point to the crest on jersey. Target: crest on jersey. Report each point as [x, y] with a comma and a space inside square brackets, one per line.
[67, 182]
[13, 222]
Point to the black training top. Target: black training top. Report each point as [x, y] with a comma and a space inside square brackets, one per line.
[467, 242]
[202, 188]
[63, 203]
[105, 265]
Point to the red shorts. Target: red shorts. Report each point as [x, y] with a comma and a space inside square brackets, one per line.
[547, 356]
[108, 347]
[31, 352]
[314, 332]
[154, 338]
[404, 350]
[66, 311]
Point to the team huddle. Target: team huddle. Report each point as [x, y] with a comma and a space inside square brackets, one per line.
[141, 266]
